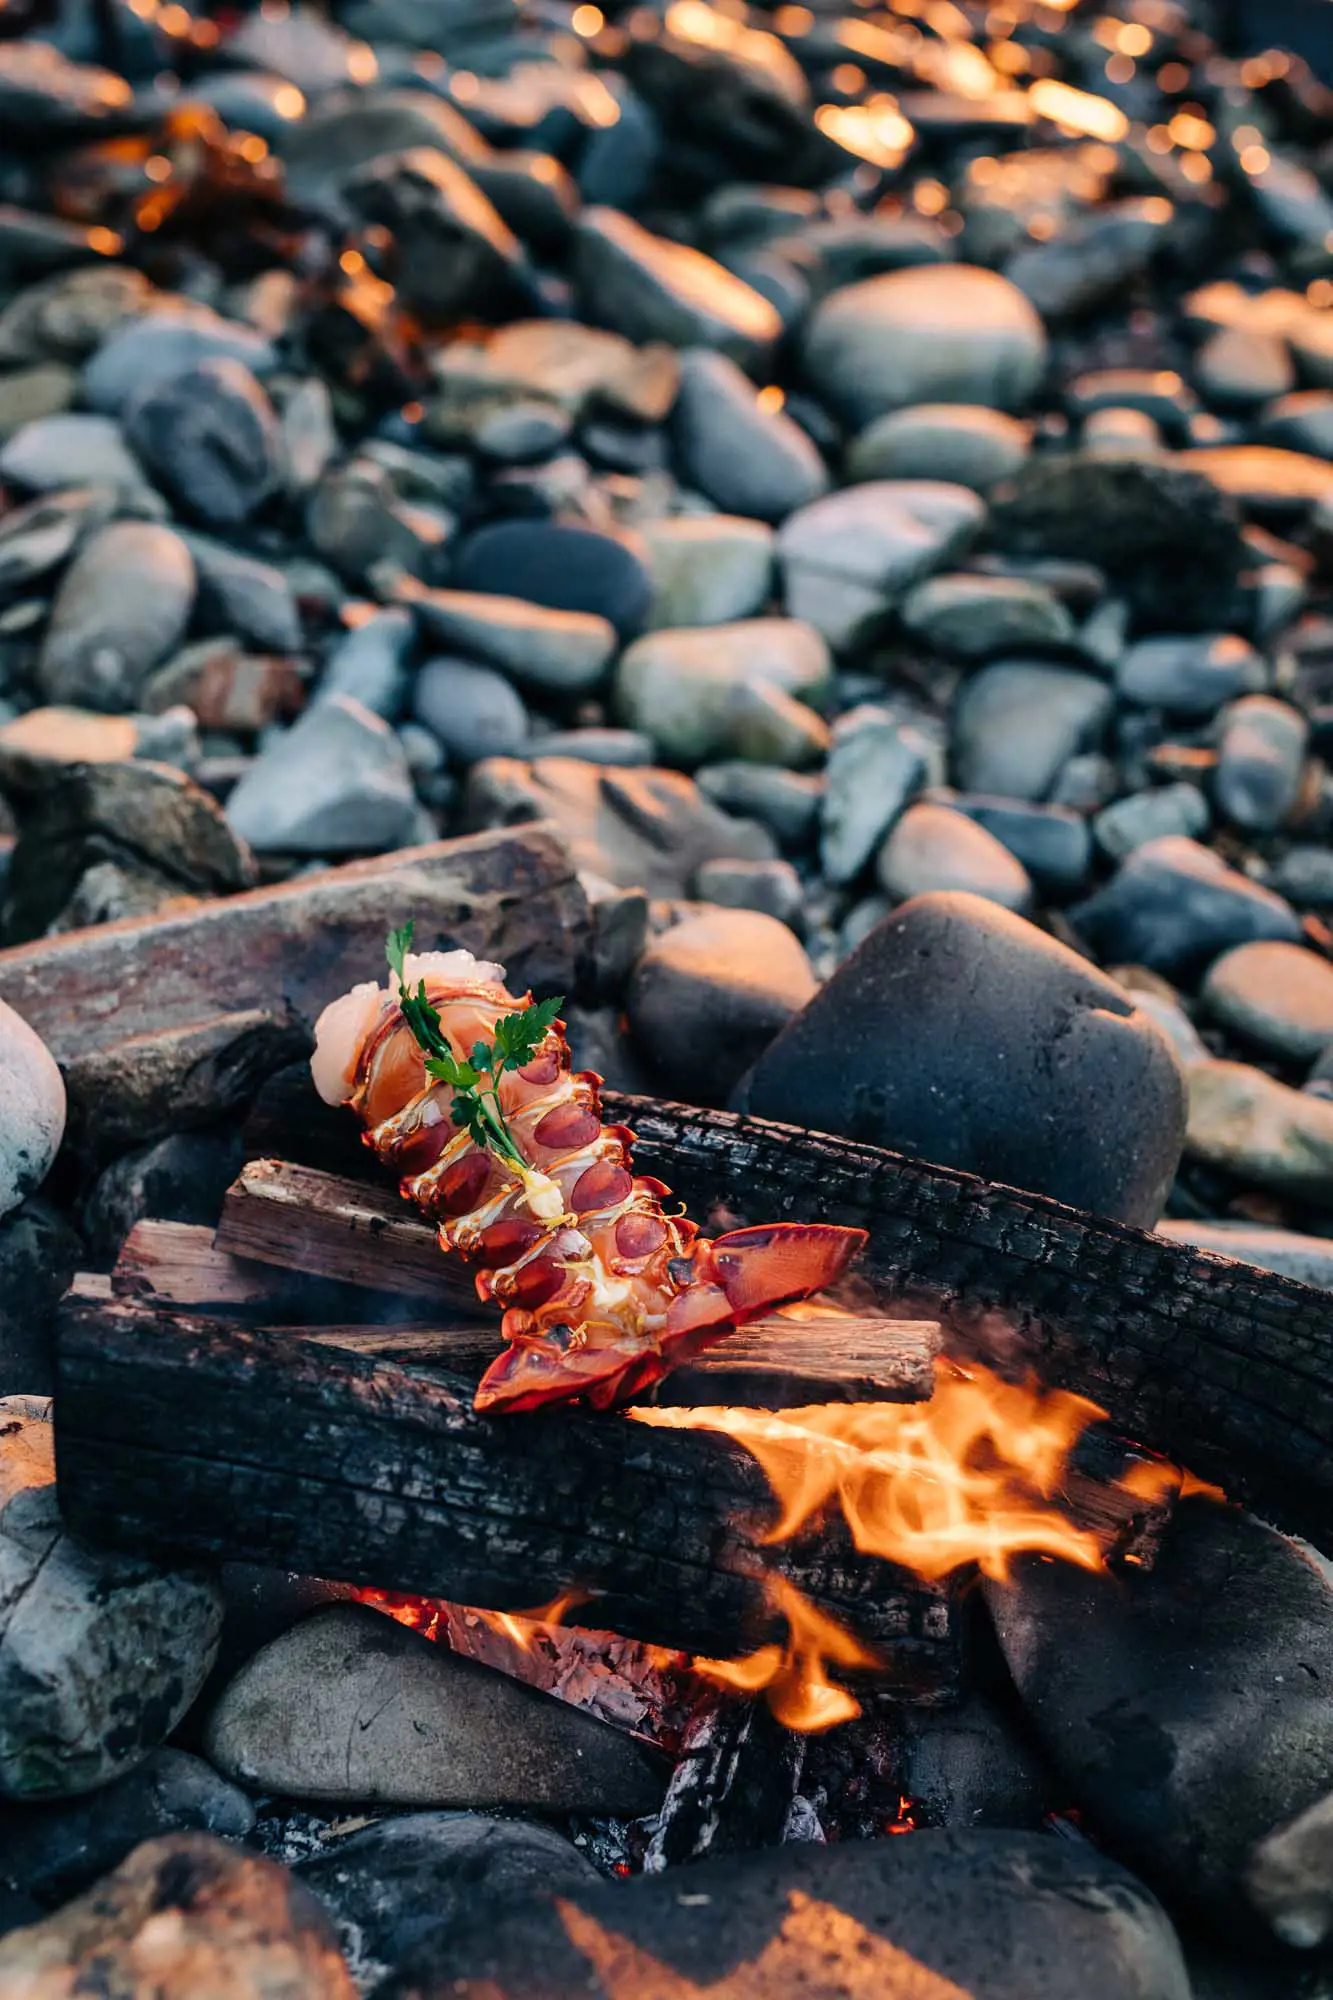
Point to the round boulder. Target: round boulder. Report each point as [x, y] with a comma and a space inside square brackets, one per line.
[959, 1033]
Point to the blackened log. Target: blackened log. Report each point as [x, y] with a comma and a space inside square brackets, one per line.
[163, 1021]
[191, 1436]
[1226, 1368]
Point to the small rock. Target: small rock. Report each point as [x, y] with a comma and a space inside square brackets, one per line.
[1239, 367]
[32, 1109]
[392, 1887]
[1052, 841]
[1303, 874]
[121, 607]
[210, 438]
[29, 394]
[847, 558]
[979, 616]
[171, 1917]
[1152, 815]
[709, 995]
[336, 782]
[1278, 996]
[681, 687]
[100, 1655]
[370, 663]
[771, 886]
[356, 519]
[1195, 674]
[646, 288]
[933, 847]
[1300, 422]
[968, 1767]
[618, 747]
[933, 334]
[876, 764]
[1017, 722]
[225, 688]
[473, 711]
[1262, 1131]
[451, 250]
[564, 652]
[962, 443]
[566, 569]
[39, 1253]
[35, 540]
[74, 448]
[707, 569]
[747, 459]
[352, 1707]
[934, 1039]
[243, 598]
[1259, 762]
[786, 802]
[1093, 258]
[1174, 905]
[646, 829]
[1308, 1259]
[1277, 486]
[1171, 1018]
[156, 345]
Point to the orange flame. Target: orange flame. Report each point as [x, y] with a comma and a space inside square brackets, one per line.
[793, 1675]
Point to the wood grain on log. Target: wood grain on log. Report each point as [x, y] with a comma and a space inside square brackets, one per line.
[206, 1438]
[163, 1021]
[306, 1221]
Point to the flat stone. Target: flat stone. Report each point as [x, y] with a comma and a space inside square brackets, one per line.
[977, 617]
[1193, 674]
[473, 712]
[745, 458]
[876, 765]
[933, 847]
[847, 558]
[681, 688]
[120, 608]
[565, 652]
[627, 748]
[1002, 1915]
[1184, 1705]
[68, 315]
[1277, 996]
[32, 1109]
[356, 519]
[1289, 1252]
[167, 1921]
[933, 334]
[100, 1655]
[963, 443]
[1018, 722]
[564, 568]
[638, 828]
[1151, 815]
[934, 1039]
[1174, 905]
[241, 597]
[351, 1707]
[707, 569]
[336, 782]
[1260, 759]
[1262, 1131]
[1278, 485]
[647, 288]
[709, 995]
[73, 448]
[37, 539]
[393, 1887]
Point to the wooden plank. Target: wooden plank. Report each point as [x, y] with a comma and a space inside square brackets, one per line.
[160, 1022]
[181, 1435]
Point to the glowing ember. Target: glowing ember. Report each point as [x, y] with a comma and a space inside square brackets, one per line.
[1078, 110]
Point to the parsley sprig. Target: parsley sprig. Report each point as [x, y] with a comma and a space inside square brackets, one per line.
[476, 1082]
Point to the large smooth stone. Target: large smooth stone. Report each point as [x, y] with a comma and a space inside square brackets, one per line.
[100, 1655]
[1174, 905]
[1185, 1706]
[1262, 1131]
[708, 996]
[959, 1033]
[1278, 996]
[1017, 723]
[937, 1916]
[121, 607]
[472, 711]
[847, 558]
[351, 1706]
[933, 334]
[187, 1917]
[32, 1109]
[681, 688]
[210, 439]
[744, 458]
[337, 782]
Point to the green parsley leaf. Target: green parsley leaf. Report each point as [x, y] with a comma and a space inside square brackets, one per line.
[448, 1069]
[518, 1036]
[423, 1019]
[396, 947]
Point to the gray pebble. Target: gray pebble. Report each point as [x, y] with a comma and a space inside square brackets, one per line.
[472, 711]
[876, 765]
[786, 802]
[847, 558]
[1017, 722]
[160, 344]
[1144, 816]
[708, 569]
[337, 782]
[1174, 906]
[980, 616]
[1194, 674]
[627, 748]
[210, 438]
[1277, 996]
[370, 663]
[747, 459]
[1052, 842]
[1260, 760]
[77, 448]
[960, 442]
[121, 607]
[771, 886]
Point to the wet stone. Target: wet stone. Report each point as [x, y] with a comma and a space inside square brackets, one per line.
[747, 459]
[1093, 258]
[979, 997]
[933, 847]
[210, 439]
[1175, 905]
[1017, 722]
[708, 996]
[1184, 1705]
[100, 1655]
[453, 252]
[473, 712]
[350, 1706]
[980, 616]
[120, 608]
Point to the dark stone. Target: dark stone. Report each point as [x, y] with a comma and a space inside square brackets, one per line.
[565, 569]
[1052, 842]
[472, 711]
[1167, 538]
[241, 597]
[747, 460]
[51, 1852]
[959, 1033]
[708, 996]
[394, 1886]
[210, 439]
[1259, 762]
[40, 1251]
[969, 1766]
[989, 1915]
[1186, 1706]
[179, 1179]
[1174, 905]
[452, 251]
